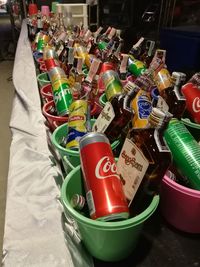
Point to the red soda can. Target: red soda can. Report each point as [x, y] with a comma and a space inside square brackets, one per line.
[51, 63]
[192, 96]
[104, 190]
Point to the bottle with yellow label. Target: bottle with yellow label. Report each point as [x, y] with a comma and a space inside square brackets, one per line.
[142, 107]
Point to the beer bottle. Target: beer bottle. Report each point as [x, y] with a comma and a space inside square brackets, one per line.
[143, 160]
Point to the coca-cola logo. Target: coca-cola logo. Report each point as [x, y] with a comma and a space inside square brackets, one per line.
[196, 104]
[106, 169]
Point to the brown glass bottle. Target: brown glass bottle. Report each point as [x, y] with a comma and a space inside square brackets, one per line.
[123, 116]
[152, 145]
[169, 90]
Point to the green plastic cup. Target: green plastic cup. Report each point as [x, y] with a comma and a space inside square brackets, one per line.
[54, 6]
[107, 241]
[70, 158]
[193, 128]
[43, 79]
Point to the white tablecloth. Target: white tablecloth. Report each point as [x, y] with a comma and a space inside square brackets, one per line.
[34, 226]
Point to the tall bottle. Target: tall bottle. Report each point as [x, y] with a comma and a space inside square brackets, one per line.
[144, 159]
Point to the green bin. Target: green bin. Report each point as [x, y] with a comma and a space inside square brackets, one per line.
[107, 241]
[70, 158]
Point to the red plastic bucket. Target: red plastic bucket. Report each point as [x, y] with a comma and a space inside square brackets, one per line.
[53, 120]
[180, 206]
[46, 93]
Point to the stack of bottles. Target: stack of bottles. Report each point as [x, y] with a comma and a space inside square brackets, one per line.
[144, 108]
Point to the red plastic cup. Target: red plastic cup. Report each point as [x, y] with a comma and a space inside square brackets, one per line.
[32, 9]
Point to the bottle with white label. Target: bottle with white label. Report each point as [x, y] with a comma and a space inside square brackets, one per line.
[144, 159]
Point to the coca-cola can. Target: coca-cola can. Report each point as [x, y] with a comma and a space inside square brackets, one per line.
[192, 96]
[104, 190]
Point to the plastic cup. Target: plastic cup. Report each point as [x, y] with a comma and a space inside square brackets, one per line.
[53, 120]
[43, 79]
[194, 128]
[45, 10]
[32, 9]
[46, 93]
[107, 241]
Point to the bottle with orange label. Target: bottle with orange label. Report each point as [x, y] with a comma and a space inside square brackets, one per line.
[143, 161]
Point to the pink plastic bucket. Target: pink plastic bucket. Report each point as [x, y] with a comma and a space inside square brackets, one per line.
[46, 93]
[53, 120]
[180, 206]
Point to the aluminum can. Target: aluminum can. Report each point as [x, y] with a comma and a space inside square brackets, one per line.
[104, 190]
[56, 73]
[185, 151]
[76, 123]
[77, 201]
[62, 96]
[192, 96]
[112, 84]
[136, 67]
[42, 42]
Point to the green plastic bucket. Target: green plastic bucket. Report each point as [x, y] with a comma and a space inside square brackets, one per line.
[107, 241]
[193, 128]
[43, 79]
[103, 99]
[70, 158]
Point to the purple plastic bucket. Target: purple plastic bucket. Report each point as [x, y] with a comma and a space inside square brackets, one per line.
[180, 206]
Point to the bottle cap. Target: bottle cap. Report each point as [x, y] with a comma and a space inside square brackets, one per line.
[77, 201]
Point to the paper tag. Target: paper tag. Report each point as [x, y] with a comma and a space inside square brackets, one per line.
[138, 42]
[93, 70]
[131, 167]
[161, 104]
[104, 119]
[60, 49]
[124, 62]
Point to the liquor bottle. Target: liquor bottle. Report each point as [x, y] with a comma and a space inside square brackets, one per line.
[114, 119]
[148, 54]
[143, 161]
[136, 49]
[170, 99]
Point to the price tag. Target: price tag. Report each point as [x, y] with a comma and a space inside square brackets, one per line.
[104, 119]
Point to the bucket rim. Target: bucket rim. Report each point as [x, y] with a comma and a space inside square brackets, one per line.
[181, 188]
[41, 74]
[53, 117]
[189, 123]
[70, 151]
[44, 87]
[136, 220]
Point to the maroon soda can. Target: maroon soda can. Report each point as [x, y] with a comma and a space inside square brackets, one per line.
[192, 96]
[104, 190]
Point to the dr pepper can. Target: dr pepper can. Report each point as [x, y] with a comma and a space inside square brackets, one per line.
[104, 190]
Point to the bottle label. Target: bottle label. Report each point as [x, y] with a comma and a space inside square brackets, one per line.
[161, 104]
[124, 63]
[104, 119]
[131, 167]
